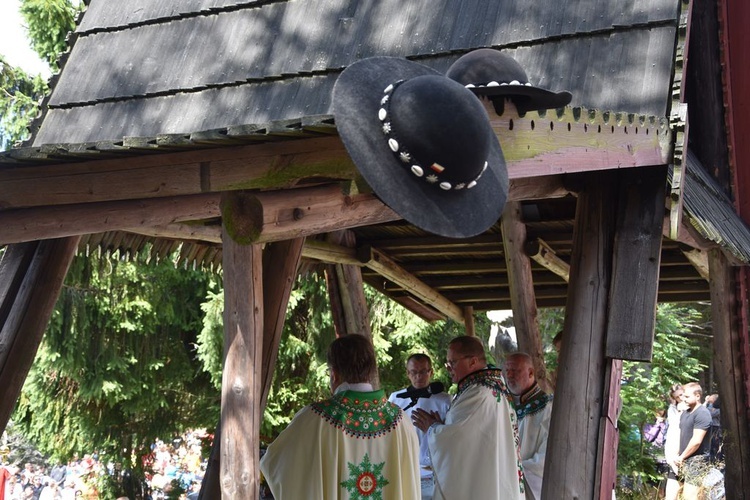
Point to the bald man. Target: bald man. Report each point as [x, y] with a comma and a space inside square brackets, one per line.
[533, 409]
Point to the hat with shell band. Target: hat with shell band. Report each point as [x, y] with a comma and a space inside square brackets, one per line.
[423, 143]
[491, 73]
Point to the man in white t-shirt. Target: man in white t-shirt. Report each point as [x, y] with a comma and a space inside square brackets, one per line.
[419, 371]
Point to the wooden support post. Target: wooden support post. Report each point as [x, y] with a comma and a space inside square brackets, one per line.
[637, 256]
[334, 300]
[243, 355]
[31, 277]
[521, 283]
[469, 321]
[347, 293]
[280, 263]
[211, 485]
[571, 465]
[728, 366]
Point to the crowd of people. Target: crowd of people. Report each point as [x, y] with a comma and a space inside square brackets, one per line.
[688, 440]
[177, 465]
[74, 480]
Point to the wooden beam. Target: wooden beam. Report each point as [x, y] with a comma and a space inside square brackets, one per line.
[278, 215]
[72, 220]
[389, 269]
[541, 253]
[579, 140]
[243, 356]
[521, 283]
[699, 259]
[31, 277]
[383, 265]
[424, 311]
[535, 145]
[571, 466]
[328, 252]
[727, 345]
[269, 165]
[280, 263]
[637, 255]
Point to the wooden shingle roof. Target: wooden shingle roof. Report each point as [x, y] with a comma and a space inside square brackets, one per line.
[141, 68]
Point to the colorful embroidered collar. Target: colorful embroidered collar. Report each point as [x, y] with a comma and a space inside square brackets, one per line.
[532, 401]
[360, 414]
[492, 378]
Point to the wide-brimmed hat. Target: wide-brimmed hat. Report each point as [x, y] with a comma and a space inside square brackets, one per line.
[493, 73]
[423, 143]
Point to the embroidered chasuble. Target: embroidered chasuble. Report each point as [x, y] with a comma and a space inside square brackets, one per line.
[534, 410]
[355, 445]
[475, 454]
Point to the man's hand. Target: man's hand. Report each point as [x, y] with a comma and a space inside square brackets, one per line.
[424, 419]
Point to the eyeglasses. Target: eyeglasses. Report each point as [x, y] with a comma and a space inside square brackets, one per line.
[415, 373]
[450, 364]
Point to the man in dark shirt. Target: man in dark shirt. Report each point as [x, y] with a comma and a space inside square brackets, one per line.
[694, 446]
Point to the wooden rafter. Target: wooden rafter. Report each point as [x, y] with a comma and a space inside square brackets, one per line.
[543, 254]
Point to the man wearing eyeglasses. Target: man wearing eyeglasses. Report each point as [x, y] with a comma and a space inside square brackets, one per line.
[475, 450]
[419, 371]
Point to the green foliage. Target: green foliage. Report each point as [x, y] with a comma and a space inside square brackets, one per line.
[117, 366]
[19, 97]
[48, 23]
[210, 342]
[645, 385]
[551, 321]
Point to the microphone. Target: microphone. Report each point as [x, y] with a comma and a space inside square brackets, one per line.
[425, 392]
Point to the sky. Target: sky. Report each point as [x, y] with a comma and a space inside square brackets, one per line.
[14, 45]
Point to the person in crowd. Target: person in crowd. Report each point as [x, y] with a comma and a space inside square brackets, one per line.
[475, 450]
[672, 440]
[534, 410]
[692, 460]
[353, 445]
[8, 480]
[51, 491]
[419, 371]
[713, 406]
[655, 432]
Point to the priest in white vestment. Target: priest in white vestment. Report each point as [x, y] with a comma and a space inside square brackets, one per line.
[534, 410]
[419, 371]
[354, 445]
[475, 451]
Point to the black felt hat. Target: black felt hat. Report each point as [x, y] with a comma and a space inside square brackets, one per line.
[423, 143]
[492, 73]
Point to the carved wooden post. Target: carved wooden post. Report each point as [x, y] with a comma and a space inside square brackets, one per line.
[243, 354]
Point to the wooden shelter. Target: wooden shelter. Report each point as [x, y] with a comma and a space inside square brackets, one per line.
[204, 126]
